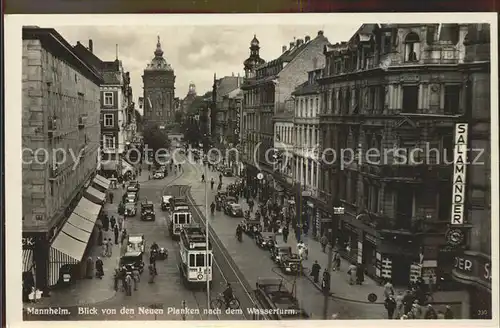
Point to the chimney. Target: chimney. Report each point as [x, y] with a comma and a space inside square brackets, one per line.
[320, 33]
[307, 38]
[299, 42]
[91, 46]
[292, 44]
[283, 49]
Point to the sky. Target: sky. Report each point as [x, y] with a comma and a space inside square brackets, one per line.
[194, 52]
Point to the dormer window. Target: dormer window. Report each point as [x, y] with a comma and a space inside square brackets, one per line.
[412, 47]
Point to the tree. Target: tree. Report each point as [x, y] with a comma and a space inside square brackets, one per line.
[156, 138]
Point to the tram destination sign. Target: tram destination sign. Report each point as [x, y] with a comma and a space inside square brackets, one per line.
[459, 173]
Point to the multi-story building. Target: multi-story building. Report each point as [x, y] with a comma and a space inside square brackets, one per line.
[230, 109]
[267, 93]
[304, 134]
[225, 86]
[60, 140]
[392, 98]
[189, 98]
[118, 125]
[159, 90]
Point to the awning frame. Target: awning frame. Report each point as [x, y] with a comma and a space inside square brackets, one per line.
[95, 195]
[28, 260]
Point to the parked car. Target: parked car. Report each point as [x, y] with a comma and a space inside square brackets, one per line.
[265, 240]
[130, 209]
[227, 204]
[166, 202]
[235, 210]
[134, 184]
[147, 211]
[291, 264]
[279, 251]
[251, 226]
[131, 197]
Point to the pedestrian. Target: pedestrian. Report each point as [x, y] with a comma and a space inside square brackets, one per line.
[399, 304]
[104, 251]
[416, 309]
[116, 279]
[123, 185]
[116, 232]
[136, 274]
[110, 247]
[285, 234]
[99, 237]
[390, 305]
[99, 268]
[90, 267]
[220, 178]
[212, 183]
[120, 223]
[448, 314]
[430, 313]
[315, 269]
[388, 289]
[360, 274]
[323, 241]
[152, 261]
[325, 284]
[407, 301]
[112, 221]
[111, 197]
[124, 235]
[151, 274]
[352, 274]
[203, 178]
[135, 279]
[336, 262]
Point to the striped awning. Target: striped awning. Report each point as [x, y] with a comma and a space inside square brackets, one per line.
[64, 250]
[102, 182]
[27, 260]
[95, 195]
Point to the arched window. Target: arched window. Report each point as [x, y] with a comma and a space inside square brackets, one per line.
[333, 107]
[347, 99]
[339, 102]
[412, 47]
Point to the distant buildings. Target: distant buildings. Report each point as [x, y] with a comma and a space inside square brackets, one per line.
[60, 138]
[224, 114]
[159, 90]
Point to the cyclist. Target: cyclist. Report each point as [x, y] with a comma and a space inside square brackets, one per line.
[228, 294]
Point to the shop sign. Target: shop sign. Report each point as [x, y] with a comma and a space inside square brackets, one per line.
[459, 170]
[455, 237]
[475, 268]
[30, 241]
[371, 239]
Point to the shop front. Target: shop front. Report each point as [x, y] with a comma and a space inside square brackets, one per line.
[34, 262]
[473, 269]
[349, 241]
[369, 254]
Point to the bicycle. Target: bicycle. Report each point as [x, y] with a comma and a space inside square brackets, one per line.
[218, 302]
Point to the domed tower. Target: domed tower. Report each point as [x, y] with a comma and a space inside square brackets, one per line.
[159, 89]
[254, 60]
[192, 89]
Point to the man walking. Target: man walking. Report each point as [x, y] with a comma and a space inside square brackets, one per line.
[316, 268]
[285, 234]
[116, 232]
[323, 242]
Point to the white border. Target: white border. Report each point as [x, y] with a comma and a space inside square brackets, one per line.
[13, 48]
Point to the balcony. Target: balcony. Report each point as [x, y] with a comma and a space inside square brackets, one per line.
[441, 55]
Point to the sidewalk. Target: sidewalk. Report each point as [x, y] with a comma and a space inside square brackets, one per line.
[89, 291]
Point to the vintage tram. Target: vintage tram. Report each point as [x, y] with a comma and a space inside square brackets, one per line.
[196, 258]
[178, 219]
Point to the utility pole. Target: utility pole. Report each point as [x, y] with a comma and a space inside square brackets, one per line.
[337, 210]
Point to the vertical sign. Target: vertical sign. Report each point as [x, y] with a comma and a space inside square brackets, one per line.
[459, 170]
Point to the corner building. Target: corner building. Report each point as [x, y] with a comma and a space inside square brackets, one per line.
[403, 86]
[159, 90]
[61, 108]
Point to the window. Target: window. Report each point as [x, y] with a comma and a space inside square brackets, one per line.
[109, 120]
[374, 200]
[451, 99]
[412, 47]
[381, 99]
[310, 107]
[410, 99]
[354, 188]
[109, 141]
[366, 195]
[158, 113]
[447, 148]
[200, 260]
[192, 260]
[108, 99]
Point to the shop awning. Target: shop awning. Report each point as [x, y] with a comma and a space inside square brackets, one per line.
[95, 195]
[79, 221]
[76, 232]
[27, 260]
[64, 250]
[102, 182]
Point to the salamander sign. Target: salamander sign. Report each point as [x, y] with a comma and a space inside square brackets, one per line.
[459, 170]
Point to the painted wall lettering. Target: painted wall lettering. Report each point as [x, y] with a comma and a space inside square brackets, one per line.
[459, 173]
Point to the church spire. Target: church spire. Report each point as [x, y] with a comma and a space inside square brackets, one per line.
[158, 51]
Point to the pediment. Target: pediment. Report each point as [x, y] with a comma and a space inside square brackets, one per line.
[405, 123]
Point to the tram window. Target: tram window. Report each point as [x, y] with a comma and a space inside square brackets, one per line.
[209, 260]
[192, 262]
[200, 260]
[181, 218]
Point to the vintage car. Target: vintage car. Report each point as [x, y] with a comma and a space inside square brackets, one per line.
[265, 240]
[227, 202]
[134, 184]
[147, 211]
[279, 251]
[130, 209]
[166, 202]
[221, 196]
[291, 264]
[251, 226]
[132, 259]
[235, 210]
[136, 243]
[158, 175]
[131, 197]
[227, 172]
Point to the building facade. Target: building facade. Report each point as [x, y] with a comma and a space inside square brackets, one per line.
[224, 107]
[159, 90]
[306, 155]
[393, 96]
[266, 96]
[118, 124]
[61, 105]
